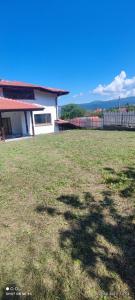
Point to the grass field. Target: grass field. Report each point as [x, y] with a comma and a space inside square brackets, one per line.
[67, 216]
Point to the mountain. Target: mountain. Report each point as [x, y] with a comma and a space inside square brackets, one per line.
[107, 104]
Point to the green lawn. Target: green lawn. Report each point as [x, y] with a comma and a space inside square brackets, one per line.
[67, 216]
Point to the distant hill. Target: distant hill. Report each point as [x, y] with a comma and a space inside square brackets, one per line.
[107, 104]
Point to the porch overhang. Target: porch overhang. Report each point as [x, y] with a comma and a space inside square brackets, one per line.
[11, 106]
[7, 105]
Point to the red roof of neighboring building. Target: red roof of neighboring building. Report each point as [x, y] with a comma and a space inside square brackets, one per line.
[79, 122]
[94, 118]
[61, 122]
[84, 121]
[8, 83]
[12, 105]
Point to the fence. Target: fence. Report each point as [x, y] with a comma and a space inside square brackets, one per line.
[110, 120]
[119, 119]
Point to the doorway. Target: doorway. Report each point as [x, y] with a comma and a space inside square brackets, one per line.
[6, 122]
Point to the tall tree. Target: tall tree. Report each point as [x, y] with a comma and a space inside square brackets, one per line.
[71, 111]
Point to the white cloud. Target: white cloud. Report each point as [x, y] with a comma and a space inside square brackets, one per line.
[78, 95]
[120, 86]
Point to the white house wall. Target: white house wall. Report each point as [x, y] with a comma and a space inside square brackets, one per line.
[23, 123]
[49, 103]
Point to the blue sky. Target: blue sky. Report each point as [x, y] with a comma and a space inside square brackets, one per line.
[75, 45]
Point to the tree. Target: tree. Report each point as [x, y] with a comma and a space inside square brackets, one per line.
[71, 111]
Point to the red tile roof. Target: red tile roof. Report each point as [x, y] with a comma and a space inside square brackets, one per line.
[61, 122]
[12, 105]
[8, 83]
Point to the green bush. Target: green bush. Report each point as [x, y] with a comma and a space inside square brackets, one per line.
[71, 111]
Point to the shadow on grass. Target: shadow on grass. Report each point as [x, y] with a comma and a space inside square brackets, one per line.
[42, 209]
[84, 246]
[83, 232]
[72, 200]
[87, 222]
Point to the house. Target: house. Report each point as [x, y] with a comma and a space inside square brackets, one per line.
[27, 109]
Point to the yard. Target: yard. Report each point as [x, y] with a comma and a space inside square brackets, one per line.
[67, 216]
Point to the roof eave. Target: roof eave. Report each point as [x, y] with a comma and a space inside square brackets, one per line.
[58, 93]
[21, 109]
[47, 90]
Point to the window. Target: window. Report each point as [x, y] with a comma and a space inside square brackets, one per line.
[42, 119]
[18, 93]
